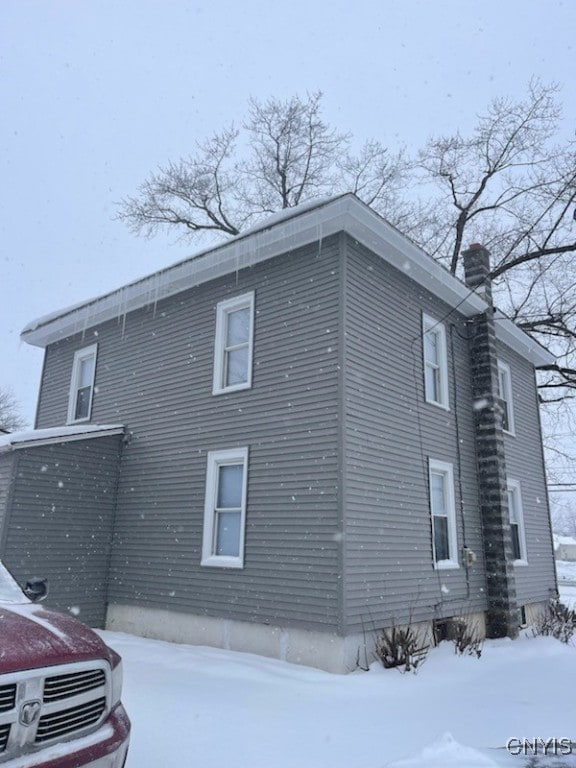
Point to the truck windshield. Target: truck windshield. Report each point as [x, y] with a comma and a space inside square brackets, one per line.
[10, 592]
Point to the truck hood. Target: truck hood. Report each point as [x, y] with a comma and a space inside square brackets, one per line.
[32, 636]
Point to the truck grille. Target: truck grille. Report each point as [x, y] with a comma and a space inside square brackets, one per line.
[7, 697]
[46, 706]
[64, 686]
[69, 721]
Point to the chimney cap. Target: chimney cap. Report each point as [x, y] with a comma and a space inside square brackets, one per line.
[476, 246]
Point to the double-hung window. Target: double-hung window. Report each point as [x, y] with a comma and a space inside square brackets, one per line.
[505, 395]
[516, 514]
[435, 362]
[233, 344]
[443, 511]
[225, 508]
[82, 384]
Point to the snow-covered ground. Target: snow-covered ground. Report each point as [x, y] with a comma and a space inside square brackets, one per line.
[196, 706]
[566, 572]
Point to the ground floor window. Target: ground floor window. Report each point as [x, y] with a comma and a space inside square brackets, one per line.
[443, 510]
[516, 522]
[225, 508]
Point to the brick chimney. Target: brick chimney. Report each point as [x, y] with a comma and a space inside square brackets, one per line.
[477, 271]
[502, 618]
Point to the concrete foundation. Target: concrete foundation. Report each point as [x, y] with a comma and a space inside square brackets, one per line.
[535, 613]
[322, 650]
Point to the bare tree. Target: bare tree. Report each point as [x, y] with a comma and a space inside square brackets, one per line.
[511, 187]
[563, 509]
[284, 154]
[10, 418]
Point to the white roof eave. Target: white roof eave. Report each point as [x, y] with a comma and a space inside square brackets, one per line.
[286, 231]
[32, 438]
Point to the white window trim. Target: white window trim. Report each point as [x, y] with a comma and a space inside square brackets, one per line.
[79, 356]
[447, 470]
[215, 460]
[514, 486]
[505, 369]
[428, 324]
[222, 310]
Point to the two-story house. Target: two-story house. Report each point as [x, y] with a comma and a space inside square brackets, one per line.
[285, 444]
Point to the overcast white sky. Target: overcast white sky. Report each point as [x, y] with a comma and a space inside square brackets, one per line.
[96, 93]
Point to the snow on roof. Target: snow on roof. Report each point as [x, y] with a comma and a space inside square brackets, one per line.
[32, 437]
[289, 213]
[281, 233]
[564, 540]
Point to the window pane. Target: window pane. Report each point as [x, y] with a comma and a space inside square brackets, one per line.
[505, 394]
[228, 534]
[502, 384]
[431, 347]
[432, 383]
[236, 366]
[441, 545]
[505, 417]
[516, 551]
[438, 494]
[512, 510]
[82, 410]
[86, 372]
[230, 486]
[238, 327]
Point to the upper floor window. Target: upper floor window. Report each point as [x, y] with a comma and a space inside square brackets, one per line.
[233, 344]
[443, 510]
[505, 395]
[225, 508]
[82, 384]
[516, 514]
[435, 362]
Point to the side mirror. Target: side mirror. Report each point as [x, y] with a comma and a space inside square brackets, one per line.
[36, 590]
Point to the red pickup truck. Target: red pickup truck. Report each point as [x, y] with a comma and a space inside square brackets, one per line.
[60, 688]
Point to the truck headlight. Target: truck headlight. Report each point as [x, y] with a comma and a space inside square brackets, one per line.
[116, 692]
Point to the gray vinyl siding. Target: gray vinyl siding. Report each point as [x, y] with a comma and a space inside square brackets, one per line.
[338, 525]
[524, 463]
[390, 434]
[6, 471]
[60, 522]
[154, 374]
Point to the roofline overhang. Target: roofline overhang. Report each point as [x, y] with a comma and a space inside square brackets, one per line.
[281, 233]
[34, 438]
